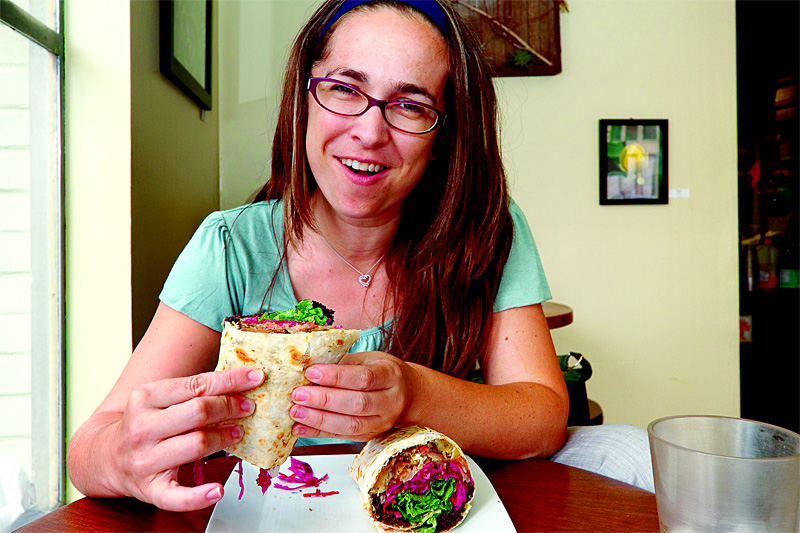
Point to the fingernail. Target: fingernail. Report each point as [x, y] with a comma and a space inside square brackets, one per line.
[299, 430]
[313, 373]
[214, 494]
[255, 375]
[299, 412]
[236, 432]
[300, 395]
[246, 406]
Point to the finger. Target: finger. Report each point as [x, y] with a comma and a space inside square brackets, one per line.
[201, 412]
[175, 497]
[308, 432]
[329, 423]
[146, 425]
[176, 390]
[374, 375]
[183, 449]
[349, 402]
[322, 424]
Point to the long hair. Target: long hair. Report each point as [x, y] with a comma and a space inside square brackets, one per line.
[447, 257]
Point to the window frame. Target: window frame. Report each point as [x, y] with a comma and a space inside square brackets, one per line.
[52, 41]
[35, 30]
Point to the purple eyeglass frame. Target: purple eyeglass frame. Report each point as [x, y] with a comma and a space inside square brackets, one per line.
[374, 102]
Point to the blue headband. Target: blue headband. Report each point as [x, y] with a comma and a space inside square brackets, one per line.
[429, 7]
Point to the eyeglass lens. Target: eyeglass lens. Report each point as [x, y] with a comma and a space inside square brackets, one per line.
[404, 115]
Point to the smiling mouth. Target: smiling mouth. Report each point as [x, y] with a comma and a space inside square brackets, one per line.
[361, 168]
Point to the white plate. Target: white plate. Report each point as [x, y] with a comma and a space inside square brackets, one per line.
[291, 512]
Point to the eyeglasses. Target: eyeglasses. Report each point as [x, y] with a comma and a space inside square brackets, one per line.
[346, 100]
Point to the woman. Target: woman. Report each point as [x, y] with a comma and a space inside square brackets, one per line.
[387, 202]
[434, 220]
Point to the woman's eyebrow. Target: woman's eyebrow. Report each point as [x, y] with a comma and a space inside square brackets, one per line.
[410, 88]
[399, 87]
[353, 74]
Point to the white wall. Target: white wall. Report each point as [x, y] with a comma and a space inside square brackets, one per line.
[255, 37]
[654, 288]
[98, 197]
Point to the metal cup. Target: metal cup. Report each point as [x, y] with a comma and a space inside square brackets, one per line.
[716, 473]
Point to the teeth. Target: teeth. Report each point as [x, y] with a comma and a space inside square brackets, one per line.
[359, 165]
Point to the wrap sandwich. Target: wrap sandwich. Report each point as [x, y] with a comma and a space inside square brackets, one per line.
[413, 479]
[283, 345]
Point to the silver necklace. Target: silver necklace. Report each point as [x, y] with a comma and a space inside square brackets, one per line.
[364, 278]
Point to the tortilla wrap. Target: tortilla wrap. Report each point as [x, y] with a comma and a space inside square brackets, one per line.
[268, 438]
[396, 461]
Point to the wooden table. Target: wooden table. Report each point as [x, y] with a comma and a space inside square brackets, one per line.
[557, 315]
[539, 495]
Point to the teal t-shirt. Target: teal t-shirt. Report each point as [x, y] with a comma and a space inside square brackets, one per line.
[227, 267]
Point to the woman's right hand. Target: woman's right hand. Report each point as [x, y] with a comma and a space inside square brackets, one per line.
[175, 421]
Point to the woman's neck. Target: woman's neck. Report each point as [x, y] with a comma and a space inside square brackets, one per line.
[359, 241]
[342, 264]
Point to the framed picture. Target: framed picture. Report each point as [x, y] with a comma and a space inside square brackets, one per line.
[519, 37]
[633, 162]
[185, 47]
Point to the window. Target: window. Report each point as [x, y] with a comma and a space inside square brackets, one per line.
[31, 249]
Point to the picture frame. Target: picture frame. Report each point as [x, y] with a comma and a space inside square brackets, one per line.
[634, 161]
[518, 37]
[185, 47]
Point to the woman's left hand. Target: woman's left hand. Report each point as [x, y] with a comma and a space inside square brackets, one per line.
[364, 395]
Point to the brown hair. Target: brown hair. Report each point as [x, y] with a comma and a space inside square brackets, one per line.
[454, 237]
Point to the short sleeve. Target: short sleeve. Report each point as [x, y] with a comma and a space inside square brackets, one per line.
[199, 284]
[523, 282]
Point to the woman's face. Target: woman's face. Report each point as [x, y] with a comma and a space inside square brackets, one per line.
[387, 55]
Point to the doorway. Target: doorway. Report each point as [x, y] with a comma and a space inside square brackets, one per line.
[767, 83]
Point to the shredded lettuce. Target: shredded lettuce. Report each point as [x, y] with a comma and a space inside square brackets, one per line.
[420, 482]
[422, 509]
[305, 311]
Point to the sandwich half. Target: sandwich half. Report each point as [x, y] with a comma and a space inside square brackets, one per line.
[283, 345]
[413, 479]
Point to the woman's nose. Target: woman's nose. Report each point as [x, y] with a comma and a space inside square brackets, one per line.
[370, 128]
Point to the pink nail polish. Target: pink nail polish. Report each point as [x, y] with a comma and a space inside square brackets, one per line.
[236, 432]
[247, 406]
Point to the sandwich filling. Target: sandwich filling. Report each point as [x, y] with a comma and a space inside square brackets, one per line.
[422, 488]
[305, 317]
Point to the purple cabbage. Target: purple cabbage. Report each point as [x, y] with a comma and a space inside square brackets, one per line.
[421, 482]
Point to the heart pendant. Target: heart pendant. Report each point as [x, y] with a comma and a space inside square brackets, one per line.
[364, 280]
